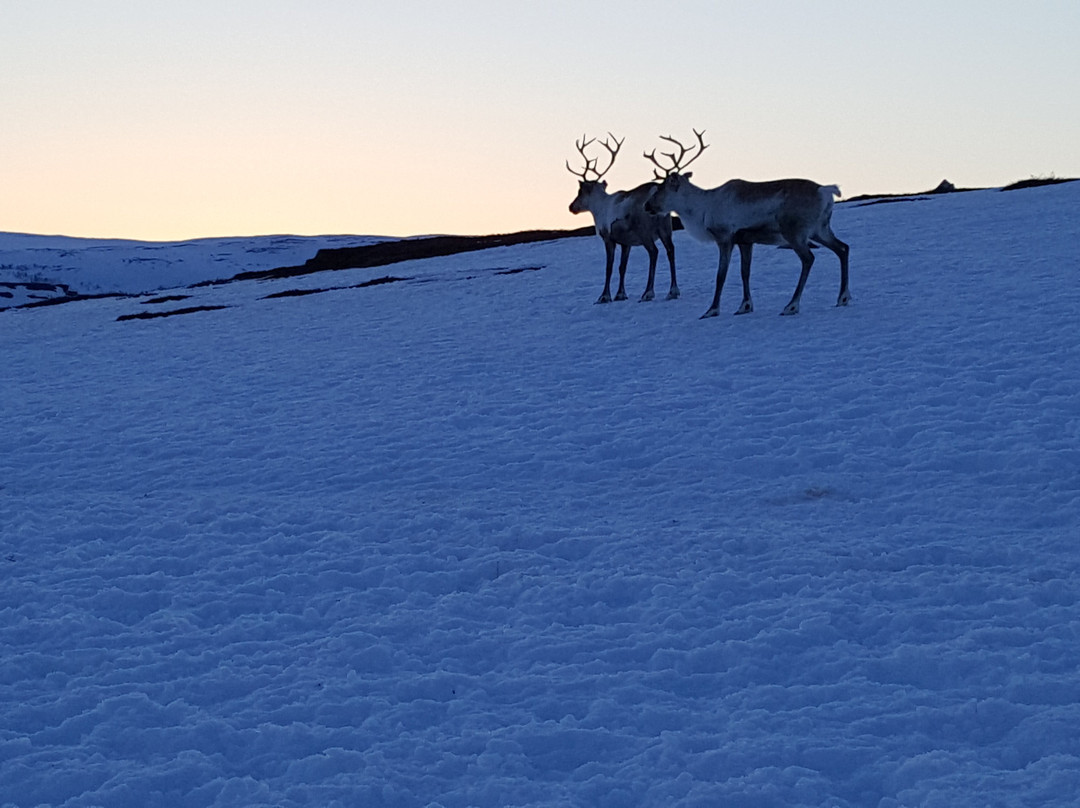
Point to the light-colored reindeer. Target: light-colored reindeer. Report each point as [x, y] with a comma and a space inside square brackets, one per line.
[793, 213]
[621, 219]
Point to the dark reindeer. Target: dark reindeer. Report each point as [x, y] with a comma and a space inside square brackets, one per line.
[621, 219]
[792, 213]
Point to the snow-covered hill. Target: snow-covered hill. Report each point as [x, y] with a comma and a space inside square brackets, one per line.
[39, 267]
[467, 539]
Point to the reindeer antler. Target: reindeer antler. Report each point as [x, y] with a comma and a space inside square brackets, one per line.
[612, 150]
[590, 163]
[677, 164]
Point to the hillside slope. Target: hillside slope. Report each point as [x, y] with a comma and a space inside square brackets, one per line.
[464, 538]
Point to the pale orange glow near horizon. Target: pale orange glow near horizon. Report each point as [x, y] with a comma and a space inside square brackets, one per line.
[164, 122]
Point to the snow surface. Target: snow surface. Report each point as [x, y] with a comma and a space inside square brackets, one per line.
[471, 540]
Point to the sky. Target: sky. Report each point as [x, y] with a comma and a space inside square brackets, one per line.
[163, 121]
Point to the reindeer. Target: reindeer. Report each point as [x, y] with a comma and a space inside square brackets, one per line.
[792, 213]
[621, 219]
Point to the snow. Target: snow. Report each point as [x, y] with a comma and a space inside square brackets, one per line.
[468, 539]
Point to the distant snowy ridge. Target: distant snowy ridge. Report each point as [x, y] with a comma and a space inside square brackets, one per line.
[29, 264]
[37, 268]
[130, 268]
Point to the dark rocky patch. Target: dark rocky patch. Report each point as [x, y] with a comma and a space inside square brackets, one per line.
[363, 285]
[517, 271]
[37, 292]
[48, 294]
[946, 187]
[943, 187]
[38, 286]
[165, 299]
[378, 282]
[1038, 182]
[71, 298]
[884, 200]
[392, 252]
[298, 293]
[150, 315]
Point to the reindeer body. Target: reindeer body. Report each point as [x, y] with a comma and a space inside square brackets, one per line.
[793, 213]
[621, 220]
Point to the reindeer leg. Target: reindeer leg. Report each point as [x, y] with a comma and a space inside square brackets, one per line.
[721, 276]
[609, 250]
[624, 256]
[807, 256]
[669, 248]
[649, 294]
[828, 239]
[746, 252]
[842, 253]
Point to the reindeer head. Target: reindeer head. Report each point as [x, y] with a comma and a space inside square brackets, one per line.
[590, 188]
[672, 178]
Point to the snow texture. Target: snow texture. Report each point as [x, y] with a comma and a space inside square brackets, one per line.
[468, 539]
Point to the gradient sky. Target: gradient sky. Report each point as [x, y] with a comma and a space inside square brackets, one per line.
[164, 120]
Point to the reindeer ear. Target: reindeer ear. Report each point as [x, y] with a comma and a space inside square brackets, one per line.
[603, 184]
[688, 175]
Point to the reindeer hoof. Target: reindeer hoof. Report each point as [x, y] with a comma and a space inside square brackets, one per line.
[789, 309]
[673, 294]
[710, 313]
[621, 296]
[649, 295]
[603, 299]
[844, 299]
[745, 308]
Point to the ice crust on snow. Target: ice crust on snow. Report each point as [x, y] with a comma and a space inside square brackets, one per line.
[470, 540]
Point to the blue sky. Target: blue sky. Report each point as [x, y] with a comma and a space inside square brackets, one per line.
[163, 120]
